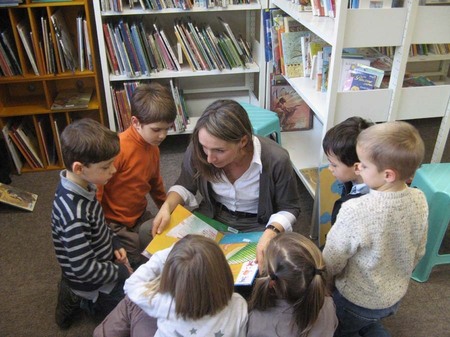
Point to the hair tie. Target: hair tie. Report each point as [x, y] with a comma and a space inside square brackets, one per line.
[272, 280]
[318, 271]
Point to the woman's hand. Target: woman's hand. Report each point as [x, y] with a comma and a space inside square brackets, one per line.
[268, 235]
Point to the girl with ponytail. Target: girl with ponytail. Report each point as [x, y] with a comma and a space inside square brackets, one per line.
[291, 298]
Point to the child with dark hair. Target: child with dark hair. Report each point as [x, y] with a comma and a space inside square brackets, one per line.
[291, 298]
[124, 197]
[93, 263]
[339, 145]
[187, 289]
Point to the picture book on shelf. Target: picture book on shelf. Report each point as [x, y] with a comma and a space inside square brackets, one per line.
[292, 110]
[72, 99]
[238, 248]
[17, 197]
[359, 81]
[292, 53]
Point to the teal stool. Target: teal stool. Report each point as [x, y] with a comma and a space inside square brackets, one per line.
[434, 181]
[264, 122]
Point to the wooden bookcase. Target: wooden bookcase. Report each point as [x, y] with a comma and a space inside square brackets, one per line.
[399, 27]
[30, 96]
[200, 88]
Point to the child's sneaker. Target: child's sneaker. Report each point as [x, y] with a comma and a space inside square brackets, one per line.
[67, 306]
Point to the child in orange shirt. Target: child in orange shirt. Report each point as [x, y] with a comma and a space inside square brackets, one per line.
[123, 198]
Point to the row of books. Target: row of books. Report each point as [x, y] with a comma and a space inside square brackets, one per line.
[134, 50]
[9, 60]
[419, 49]
[121, 97]
[119, 5]
[425, 49]
[44, 52]
[77, 54]
[324, 8]
[364, 4]
[21, 137]
[357, 4]
[363, 69]
[10, 3]
[35, 142]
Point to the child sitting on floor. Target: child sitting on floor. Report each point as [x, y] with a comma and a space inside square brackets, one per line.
[124, 197]
[187, 288]
[291, 297]
[93, 263]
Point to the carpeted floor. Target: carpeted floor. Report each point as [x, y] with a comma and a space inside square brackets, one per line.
[29, 272]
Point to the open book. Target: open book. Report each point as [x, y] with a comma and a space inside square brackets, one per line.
[239, 248]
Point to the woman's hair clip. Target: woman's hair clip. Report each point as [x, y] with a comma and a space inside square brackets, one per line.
[273, 277]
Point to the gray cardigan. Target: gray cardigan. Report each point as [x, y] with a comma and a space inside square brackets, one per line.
[278, 190]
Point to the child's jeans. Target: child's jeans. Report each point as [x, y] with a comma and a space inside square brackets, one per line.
[358, 321]
[105, 302]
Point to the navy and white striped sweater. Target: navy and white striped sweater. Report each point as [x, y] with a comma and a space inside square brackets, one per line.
[84, 244]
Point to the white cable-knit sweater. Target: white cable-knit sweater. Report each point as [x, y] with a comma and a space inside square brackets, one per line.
[375, 244]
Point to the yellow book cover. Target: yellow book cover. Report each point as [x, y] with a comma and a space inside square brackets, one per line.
[239, 248]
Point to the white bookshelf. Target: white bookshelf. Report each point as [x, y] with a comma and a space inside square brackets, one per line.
[200, 88]
[399, 27]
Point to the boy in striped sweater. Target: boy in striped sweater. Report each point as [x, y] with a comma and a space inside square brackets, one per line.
[94, 265]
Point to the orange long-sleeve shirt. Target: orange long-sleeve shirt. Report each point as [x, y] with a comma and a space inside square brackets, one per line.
[123, 198]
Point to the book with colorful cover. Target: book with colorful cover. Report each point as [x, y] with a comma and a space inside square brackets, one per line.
[361, 68]
[292, 110]
[347, 64]
[17, 197]
[277, 16]
[292, 53]
[238, 248]
[360, 81]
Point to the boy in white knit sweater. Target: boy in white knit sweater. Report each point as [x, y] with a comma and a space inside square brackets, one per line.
[378, 238]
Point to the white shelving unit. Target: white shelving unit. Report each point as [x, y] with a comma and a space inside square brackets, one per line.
[200, 88]
[398, 27]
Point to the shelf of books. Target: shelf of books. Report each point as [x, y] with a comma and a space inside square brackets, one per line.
[431, 26]
[203, 52]
[48, 78]
[338, 67]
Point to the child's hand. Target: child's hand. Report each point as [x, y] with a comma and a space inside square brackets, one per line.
[127, 264]
[121, 255]
[161, 220]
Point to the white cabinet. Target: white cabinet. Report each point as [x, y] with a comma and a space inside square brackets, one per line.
[199, 87]
[399, 27]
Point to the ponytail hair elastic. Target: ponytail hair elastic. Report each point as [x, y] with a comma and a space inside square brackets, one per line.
[319, 271]
[273, 277]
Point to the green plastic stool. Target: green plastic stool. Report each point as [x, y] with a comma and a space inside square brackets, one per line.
[264, 122]
[434, 181]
